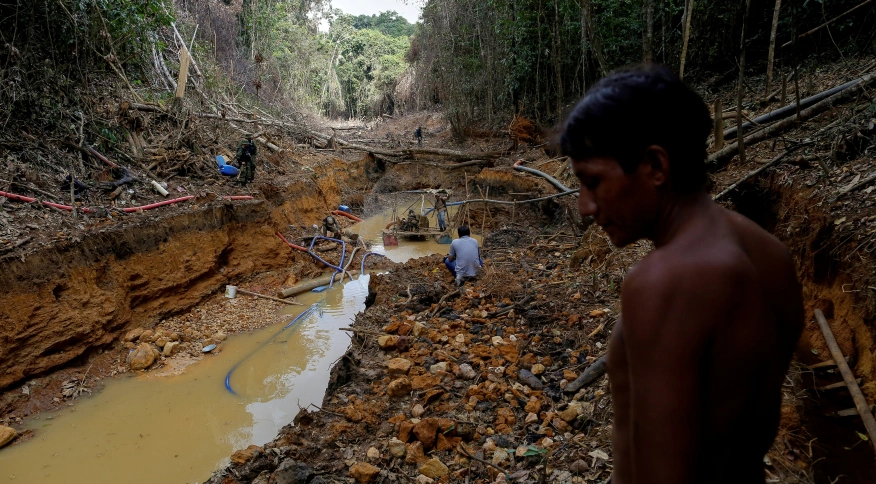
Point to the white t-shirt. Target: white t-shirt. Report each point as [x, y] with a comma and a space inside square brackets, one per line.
[465, 251]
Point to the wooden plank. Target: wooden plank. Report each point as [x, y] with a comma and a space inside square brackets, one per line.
[860, 401]
[834, 386]
[825, 364]
[183, 72]
[849, 412]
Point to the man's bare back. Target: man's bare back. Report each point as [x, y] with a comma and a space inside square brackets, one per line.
[710, 319]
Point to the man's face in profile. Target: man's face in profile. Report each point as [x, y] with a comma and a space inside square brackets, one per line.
[623, 204]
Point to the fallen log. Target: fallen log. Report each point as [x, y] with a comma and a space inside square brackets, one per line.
[751, 174]
[719, 158]
[860, 401]
[788, 110]
[311, 284]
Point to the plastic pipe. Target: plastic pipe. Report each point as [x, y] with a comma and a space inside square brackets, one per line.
[362, 270]
[68, 208]
[290, 244]
[786, 111]
[348, 215]
[511, 202]
[301, 316]
[553, 181]
[160, 189]
[338, 267]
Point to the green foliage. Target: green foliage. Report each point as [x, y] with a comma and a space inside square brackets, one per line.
[368, 66]
[489, 59]
[388, 23]
[63, 40]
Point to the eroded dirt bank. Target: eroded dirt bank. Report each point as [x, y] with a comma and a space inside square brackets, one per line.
[67, 298]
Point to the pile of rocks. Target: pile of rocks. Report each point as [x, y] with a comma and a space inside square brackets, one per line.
[480, 385]
[146, 346]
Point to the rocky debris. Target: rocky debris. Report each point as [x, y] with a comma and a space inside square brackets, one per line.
[397, 448]
[243, 456]
[7, 434]
[434, 469]
[293, 472]
[448, 386]
[363, 472]
[170, 349]
[141, 357]
[398, 366]
[399, 387]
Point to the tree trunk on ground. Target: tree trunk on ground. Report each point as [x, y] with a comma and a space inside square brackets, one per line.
[648, 37]
[687, 17]
[741, 87]
[772, 52]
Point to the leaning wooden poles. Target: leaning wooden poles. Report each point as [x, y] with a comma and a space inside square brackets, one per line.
[860, 402]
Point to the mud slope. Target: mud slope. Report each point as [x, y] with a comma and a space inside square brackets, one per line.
[67, 298]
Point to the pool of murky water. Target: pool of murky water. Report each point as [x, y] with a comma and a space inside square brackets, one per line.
[178, 429]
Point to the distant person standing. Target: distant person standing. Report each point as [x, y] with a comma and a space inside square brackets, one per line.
[418, 133]
[245, 158]
[441, 209]
[464, 258]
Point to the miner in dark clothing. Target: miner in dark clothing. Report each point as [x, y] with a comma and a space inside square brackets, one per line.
[245, 158]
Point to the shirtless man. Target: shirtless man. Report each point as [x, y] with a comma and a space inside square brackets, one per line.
[711, 317]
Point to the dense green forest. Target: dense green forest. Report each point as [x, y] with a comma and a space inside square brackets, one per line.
[480, 61]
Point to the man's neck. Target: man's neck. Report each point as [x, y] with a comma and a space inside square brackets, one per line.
[676, 214]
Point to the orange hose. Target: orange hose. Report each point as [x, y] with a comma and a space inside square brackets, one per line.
[348, 215]
[290, 244]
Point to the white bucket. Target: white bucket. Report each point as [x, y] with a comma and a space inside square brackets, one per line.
[230, 292]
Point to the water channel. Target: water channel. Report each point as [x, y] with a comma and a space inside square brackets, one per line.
[178, 429]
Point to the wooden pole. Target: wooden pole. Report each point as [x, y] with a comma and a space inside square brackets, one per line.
[648, 43]
[849, 377]
[784, 99]
[772, 52]
[294, 303]
[741, 88]
[688, 14]
[719, 125]
[796, 62]
[825, 24]
[183, 72]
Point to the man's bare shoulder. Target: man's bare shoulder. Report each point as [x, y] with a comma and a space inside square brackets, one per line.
[671, 269]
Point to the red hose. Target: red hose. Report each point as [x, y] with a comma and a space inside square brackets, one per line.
[156, 205]
[68, 208]
[290, 244]
[345, 214]
[20, 198]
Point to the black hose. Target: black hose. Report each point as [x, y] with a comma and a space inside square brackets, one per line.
[787, 110]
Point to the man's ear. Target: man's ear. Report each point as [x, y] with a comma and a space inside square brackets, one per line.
[657, 160]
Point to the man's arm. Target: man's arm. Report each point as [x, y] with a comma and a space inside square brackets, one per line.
[451, 256]
[670, 308]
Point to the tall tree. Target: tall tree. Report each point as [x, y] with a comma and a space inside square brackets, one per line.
[741, 88]
[688, 13]
[648, 34]
[771, 56]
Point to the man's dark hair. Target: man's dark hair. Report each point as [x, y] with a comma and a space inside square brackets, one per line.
[464, 231]
[637, 107]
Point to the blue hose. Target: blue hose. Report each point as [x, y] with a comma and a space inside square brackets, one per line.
[301, 316]
[362, 270]
[337, 268]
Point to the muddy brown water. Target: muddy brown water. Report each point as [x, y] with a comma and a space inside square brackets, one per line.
[178, 429]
